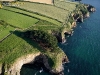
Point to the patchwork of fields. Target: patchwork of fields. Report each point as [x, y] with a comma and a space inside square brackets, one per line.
[16, 19]
[29, 16]
[48, 10]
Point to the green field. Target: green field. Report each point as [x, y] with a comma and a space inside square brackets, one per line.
[47, 10]
[16, 19]
[14, 46]
[33, 14]
[4, 31]
[67, 5]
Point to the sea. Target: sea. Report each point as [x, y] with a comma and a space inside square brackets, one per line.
[82, 48]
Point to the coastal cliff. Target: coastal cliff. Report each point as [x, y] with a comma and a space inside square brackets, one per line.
[81, 12]
[49, 52]
[15, 68]
[37, 58]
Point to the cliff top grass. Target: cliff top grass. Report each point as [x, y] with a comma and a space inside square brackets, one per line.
[10, 50]
[59, 11]
[33, 16]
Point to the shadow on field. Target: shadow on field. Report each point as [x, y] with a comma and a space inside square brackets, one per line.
[28, 40]
[31, 69]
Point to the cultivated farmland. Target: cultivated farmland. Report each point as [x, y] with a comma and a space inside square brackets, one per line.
[10, 49]
[32, 14]
[5, 31]
[17, 19]
[47, 10]
[70, 6]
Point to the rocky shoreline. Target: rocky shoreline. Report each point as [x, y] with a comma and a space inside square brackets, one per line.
[77, 18]
[38, 59]
[15, 68]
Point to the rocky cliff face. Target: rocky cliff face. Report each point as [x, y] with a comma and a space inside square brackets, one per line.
[82, 11]
[0, 68]
[15, 68]
[39, 59]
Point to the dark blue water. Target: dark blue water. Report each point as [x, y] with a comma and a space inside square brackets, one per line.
[83, 48]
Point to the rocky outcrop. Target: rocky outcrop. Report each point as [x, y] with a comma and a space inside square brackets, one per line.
[0, 68]
[79, 15]
[91, 8]
[41, 60]
[15, 68]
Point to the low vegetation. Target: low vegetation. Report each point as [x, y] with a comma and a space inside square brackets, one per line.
[30, 26]
[32, 14]
[48, 10]
[46, 41]
[17, 19]
[67, 5]
[82, 8]
[10, 49]
[5, 30]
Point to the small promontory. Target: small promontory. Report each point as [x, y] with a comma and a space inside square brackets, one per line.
[30, 32]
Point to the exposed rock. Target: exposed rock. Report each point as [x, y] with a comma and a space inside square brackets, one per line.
[16, 66]
[87, 15]
[38, 59]
[0, 68]
[57, 35]
[73, 24]
[91, 8]
[42, 61]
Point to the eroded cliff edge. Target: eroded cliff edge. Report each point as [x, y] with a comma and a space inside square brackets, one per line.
[15, 68]
[76, 16]
[81, 12]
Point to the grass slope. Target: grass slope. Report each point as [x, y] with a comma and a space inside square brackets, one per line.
[4, 31]
[16, 19]
[47, 10]
[38, 16]
[67, 5]
[33, 14]
[10, 49]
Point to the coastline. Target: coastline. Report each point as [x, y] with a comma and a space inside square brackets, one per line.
[59, 69]
[77, 19]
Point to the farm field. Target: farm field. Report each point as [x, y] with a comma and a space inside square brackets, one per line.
[32, 14]
[10, 49]
[67, 5]
[47, 10]
[4, 31]
[17, 20]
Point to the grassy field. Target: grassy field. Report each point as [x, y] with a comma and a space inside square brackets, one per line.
[16, 19]
[67, 5]
[47, 10]
[4, 31]
[33, 14]
[10, 49]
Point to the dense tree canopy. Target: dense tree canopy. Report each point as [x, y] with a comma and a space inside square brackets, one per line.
[47, 40]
